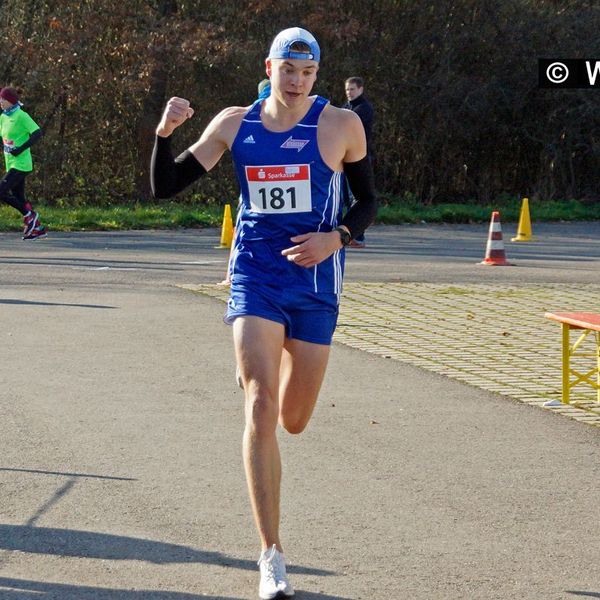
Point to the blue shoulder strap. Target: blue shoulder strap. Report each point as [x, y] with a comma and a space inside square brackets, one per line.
[312, 116]
[253, 113]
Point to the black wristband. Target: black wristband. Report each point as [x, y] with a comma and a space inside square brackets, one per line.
[361, 181]
[168, 176]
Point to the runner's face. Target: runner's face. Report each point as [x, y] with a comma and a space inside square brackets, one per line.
[291, 79]
[4, 104]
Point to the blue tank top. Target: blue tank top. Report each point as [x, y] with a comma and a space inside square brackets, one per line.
[286, 189]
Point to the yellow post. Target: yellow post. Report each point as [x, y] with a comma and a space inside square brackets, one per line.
[566, 363]
[598, 365]
[227, 228]
[524, 229]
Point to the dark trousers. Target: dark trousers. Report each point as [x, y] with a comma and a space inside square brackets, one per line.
[12, 190]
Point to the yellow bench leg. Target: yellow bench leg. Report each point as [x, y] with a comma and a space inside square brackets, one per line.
[566, 362]
[566, 368]
[598, 365]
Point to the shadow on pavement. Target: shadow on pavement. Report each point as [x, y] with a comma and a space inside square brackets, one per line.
[22, 589]
[89, 544]
[586, 594]
[65, 474]
[90, 263]
[31, 303]
[302, 595]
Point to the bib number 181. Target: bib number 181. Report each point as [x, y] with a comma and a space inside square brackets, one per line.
[276, 189]
[276, 198]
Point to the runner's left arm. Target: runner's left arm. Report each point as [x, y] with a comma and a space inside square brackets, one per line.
[362, 183]
[312, 248]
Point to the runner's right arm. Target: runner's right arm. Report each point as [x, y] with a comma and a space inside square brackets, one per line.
[168, 175]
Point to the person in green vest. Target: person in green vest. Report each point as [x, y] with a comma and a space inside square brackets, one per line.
[19, 132]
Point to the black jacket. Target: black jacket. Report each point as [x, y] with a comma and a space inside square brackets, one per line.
[364, 109]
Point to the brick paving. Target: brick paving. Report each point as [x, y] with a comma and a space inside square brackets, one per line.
[494, 337]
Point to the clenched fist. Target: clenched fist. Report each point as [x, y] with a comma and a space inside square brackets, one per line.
[176, 112]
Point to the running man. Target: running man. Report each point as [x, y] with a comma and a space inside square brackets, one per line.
[292, 153]
[19, 132]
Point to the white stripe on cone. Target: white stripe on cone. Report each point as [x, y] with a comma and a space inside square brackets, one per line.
[495, 245]
[494, 251]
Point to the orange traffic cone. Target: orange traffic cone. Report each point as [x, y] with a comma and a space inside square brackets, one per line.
[494, 251]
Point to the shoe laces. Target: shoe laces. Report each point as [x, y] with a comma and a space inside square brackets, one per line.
[274, 565]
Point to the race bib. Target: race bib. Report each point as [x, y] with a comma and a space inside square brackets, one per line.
[278, 189]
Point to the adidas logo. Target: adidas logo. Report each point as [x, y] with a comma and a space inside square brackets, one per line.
[249, 140]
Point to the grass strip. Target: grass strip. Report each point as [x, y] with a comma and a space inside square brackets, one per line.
[174, 215]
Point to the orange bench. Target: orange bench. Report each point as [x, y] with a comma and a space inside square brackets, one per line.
[586, 323]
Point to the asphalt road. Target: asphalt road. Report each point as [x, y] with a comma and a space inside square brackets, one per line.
[121, 474]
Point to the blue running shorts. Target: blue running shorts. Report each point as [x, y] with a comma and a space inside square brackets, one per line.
[306, 316]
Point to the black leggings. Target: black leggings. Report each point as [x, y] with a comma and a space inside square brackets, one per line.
[12, 190]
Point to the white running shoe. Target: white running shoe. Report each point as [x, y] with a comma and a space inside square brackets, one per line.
[273, 578]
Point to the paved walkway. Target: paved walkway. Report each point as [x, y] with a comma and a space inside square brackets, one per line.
[121, 475]
[494, 337]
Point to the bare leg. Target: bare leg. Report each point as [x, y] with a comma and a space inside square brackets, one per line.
[282, 379]
[302, 370]
[258, 345]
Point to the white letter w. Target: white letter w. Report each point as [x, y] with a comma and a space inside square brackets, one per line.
[592, 74]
